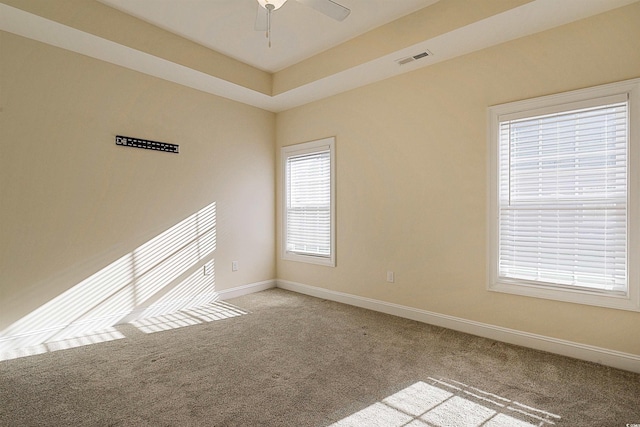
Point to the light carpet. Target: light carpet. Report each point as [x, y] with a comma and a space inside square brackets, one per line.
[277, 358]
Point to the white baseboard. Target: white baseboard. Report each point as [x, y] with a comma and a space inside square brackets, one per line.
[603, 356]
[616, 359]
[239, 291]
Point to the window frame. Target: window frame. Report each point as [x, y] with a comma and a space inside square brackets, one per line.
[627, 301]
[301, 149]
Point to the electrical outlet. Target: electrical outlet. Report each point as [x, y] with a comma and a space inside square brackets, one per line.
[390, 276]
[208, 269]
[234, 265]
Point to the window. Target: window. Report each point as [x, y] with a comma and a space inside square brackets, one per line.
[564, 196]
[308, 198]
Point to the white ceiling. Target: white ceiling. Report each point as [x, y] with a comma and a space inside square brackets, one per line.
[298, 31]
[305, 37]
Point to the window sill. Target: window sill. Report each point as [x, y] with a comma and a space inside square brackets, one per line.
[309, 259]
[578, 296]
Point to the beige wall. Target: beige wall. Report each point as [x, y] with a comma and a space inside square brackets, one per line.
[73, 202]
[412, 178]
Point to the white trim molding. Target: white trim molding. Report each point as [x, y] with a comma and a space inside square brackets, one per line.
[625, 293]
[603, 356]
[316, 150]
[239, 291]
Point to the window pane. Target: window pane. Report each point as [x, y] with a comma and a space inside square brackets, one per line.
[309, 204]
[563, 198]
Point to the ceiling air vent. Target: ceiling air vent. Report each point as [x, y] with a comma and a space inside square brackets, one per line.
[409, 59]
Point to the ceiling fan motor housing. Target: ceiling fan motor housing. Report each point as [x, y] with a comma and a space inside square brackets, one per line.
[272, 4]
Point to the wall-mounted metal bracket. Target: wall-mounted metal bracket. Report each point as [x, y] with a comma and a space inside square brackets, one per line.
[145, 143]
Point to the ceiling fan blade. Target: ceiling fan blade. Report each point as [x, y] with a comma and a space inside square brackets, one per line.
[328, 7]
[261, 19]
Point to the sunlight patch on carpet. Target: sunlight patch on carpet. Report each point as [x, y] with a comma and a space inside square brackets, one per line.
[211, 312]
[446, 403]
[105, 335]
[170, 272]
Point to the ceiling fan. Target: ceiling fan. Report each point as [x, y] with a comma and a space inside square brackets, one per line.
[327, 7]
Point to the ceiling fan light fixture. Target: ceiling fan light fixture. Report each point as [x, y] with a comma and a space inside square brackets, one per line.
[326, 7]
[277, 4]
[270, 6]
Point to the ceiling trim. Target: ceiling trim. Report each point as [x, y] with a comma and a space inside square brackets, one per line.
[527, 19]
[37, 28]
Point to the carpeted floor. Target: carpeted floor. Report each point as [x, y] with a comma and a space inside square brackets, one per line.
[277, 358]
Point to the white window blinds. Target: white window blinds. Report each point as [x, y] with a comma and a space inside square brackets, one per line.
[562, 189]
[308, 203]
